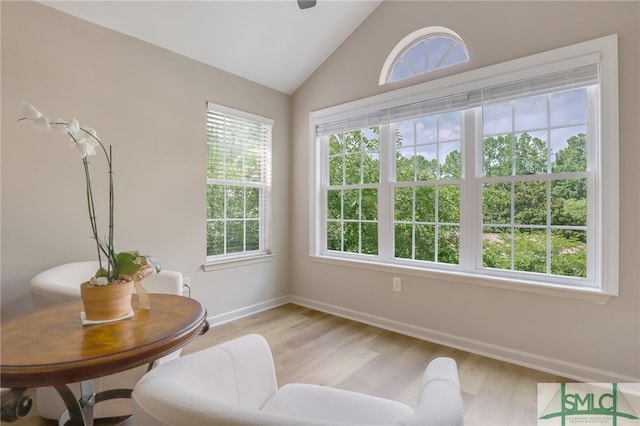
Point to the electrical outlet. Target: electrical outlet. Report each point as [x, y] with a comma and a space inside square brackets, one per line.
[397, 284]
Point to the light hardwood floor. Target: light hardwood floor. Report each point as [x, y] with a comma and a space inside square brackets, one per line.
[314, 347]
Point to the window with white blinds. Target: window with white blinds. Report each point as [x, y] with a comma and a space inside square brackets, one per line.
[238, 183]
[508, 175]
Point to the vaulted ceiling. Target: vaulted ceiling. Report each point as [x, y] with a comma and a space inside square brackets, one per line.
[271, 42]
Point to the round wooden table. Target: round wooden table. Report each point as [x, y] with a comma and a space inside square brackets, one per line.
[51, 347]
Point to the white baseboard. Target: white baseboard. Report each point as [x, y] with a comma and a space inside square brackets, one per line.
[247, 310]
[549, 365]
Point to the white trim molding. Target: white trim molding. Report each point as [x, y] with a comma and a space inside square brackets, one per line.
[558, 367]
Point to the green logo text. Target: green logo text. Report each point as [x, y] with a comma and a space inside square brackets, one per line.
[565, 404]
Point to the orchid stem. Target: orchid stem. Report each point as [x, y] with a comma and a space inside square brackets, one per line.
[111, 200]
[92, 211]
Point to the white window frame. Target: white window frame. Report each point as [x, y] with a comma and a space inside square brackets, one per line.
[602, 51]
[263, 253]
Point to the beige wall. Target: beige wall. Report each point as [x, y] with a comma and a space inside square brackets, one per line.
[149, 104]
[579, 338]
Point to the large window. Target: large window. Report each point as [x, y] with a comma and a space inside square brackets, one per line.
[238, 183]
[509, 176]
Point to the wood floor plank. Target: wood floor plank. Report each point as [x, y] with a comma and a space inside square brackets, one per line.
[314, 347]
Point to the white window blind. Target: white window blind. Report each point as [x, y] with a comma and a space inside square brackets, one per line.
[238, 182]
[570, 78]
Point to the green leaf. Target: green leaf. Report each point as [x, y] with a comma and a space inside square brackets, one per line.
[125, 263]
[101, 273]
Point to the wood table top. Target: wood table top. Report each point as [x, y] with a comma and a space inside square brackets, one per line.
[51, 346]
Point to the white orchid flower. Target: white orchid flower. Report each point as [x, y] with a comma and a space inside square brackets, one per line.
[41, 123]
[59, 126]
[86, 140]
[73, 127]
[87, 146]
[29, 111]
[92, 132]
[37, 119]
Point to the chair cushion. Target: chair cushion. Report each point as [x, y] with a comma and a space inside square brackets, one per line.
[335, 405]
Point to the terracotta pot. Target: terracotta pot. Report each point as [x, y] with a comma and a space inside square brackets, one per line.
[106, 302]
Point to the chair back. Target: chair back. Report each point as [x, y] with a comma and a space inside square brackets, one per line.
[62, 283]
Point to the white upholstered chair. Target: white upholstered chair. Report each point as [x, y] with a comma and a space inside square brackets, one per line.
[61, 284]
[234, 383]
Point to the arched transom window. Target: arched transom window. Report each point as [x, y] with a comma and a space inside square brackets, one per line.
[423, 51]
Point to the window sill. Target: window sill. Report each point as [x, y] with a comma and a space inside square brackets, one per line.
[236, 262]
[585, 294]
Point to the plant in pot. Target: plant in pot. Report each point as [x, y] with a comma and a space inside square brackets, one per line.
[107, 294]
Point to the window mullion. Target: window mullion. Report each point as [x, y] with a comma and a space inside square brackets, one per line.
[385, 193]
[470, 197]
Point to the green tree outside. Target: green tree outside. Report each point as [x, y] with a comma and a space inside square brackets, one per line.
[518, 233]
